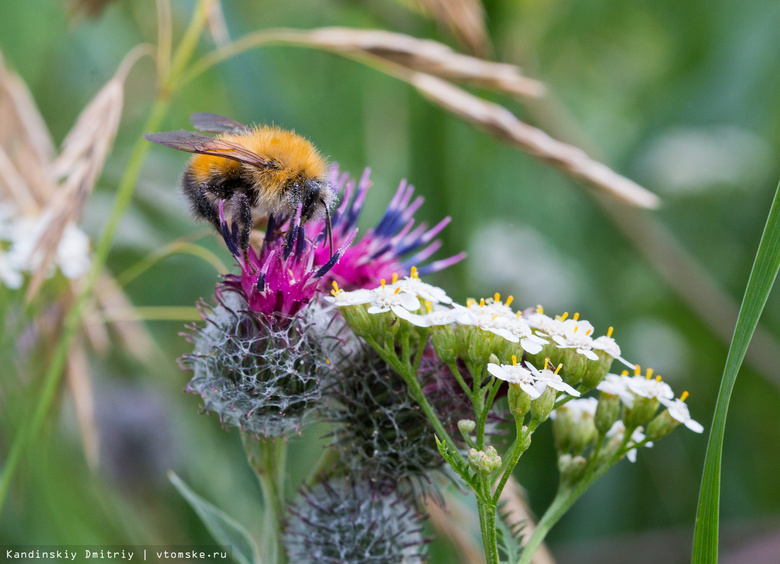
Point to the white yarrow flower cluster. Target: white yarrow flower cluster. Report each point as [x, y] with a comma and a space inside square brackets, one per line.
[531, 380]
[575, 333]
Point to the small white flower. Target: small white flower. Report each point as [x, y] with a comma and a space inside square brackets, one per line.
[427, 292]
[73, 252]
[341, 298]
[617, 385]
[650, 387]
[548, 378]
[519, 328]
[575, 334]
[386, 298]
[607, 344]
[515, 374]
[679, 411]
[579, 408]
[9, 275]
[619, 430]
[488, 320]
[443, 315]
[543, 323]
[23, 234]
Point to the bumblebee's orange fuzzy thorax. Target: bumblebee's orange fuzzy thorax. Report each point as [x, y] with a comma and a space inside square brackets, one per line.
[293, 155]
[204, 166]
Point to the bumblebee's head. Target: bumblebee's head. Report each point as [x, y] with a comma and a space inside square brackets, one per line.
[316, 197]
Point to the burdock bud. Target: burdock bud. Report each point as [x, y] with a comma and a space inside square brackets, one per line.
[607, 412]
[353, 523]
[260, 374]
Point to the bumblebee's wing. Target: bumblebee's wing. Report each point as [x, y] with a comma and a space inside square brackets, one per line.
[212, 123]
[205, 145]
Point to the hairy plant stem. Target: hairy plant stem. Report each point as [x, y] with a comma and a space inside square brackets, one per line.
[267, 457]
[487, 523]
[73, 319]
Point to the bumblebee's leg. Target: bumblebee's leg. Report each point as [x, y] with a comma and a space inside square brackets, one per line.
[242, 213]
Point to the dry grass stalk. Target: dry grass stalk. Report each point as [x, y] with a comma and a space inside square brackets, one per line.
[132, 334]
[217, 24]
[465, 19]
[80, 383]
[80, 163]
[27, 148]
[29, 174]
[503, 124]
[424, 55]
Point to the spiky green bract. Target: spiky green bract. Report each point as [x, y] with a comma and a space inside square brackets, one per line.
[380, 432]
[255, 373]
[352, 522]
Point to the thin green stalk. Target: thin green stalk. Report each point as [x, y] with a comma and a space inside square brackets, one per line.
[456, 373]
[518, 449]
[74, 316]
[268, 462]
[567, 495]
[487, 523]
[176, 247]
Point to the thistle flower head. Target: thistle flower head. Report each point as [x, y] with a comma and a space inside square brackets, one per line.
[351, 522]
[283, 277]
[394, 245]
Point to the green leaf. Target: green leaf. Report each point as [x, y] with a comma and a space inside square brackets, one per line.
[225, 530]
[762, 277]
[509, 536]
[456, 461]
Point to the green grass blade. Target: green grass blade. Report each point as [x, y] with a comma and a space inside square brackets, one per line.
[225, 530]
[762, 277]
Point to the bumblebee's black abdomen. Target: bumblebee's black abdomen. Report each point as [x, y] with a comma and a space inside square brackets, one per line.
[204, 193]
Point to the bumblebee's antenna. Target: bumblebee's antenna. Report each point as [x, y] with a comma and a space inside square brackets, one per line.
[328, 230]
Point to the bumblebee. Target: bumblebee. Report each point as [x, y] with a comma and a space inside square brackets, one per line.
[262, 169]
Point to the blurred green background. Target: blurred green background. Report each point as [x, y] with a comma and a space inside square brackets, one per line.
[679, 96]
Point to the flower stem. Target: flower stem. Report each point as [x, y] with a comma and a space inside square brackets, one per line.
[267, 458]
[564, 499]
[487, 523]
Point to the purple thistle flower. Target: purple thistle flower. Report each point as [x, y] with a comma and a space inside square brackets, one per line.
[393, 246]
[283, 277]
